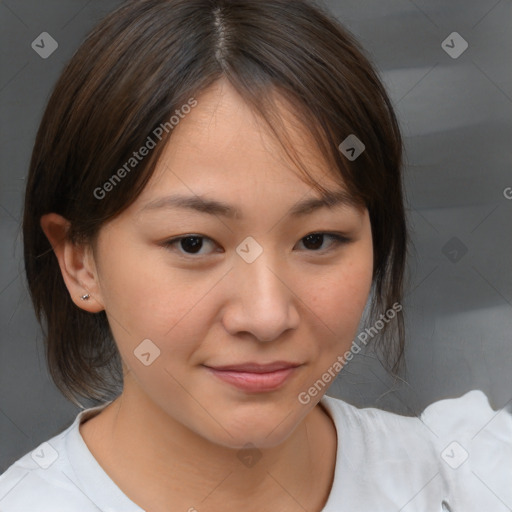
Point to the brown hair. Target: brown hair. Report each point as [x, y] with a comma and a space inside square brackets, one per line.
[147, 59]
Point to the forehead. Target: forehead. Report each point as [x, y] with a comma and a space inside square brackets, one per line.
[222, 142]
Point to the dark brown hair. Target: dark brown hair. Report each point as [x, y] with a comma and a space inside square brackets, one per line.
[140, 64]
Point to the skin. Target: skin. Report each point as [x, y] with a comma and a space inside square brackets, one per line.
[178, 424]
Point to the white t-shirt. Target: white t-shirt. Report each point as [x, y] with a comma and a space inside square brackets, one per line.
[456, 457]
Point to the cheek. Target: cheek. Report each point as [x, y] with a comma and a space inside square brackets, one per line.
[341, 295]
[145, 297]
[139, 287]
[336, 311]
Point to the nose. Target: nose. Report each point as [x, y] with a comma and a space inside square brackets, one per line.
[261, 301]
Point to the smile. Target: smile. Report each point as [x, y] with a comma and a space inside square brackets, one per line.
[254, 381]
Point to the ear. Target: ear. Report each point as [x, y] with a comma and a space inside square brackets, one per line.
[76, 263]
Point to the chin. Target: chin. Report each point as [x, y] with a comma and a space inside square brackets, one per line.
[251, 440]
[261, 432]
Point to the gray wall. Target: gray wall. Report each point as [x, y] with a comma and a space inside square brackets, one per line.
[456, 116]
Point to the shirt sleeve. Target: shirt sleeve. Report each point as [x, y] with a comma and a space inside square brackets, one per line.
[474, 445]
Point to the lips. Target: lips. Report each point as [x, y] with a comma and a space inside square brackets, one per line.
[255, 377]
[256, 367]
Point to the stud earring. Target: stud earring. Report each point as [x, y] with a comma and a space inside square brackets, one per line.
[85, 297]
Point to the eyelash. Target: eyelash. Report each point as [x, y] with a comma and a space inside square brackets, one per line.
[336, 238]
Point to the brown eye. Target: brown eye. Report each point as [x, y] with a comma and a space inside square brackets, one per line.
[191, 244]
[313, 241]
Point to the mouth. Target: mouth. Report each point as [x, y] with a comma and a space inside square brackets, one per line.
[254, 377]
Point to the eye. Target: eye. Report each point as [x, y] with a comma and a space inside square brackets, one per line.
[191, 244]
[315, 241]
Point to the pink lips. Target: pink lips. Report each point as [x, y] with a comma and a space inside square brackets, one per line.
[255, 377]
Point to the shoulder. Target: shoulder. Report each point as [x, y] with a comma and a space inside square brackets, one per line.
[385, 461]
[44, 480]
[468, 416]
[474, 441]
[460, 448]
[40, 481]
[378, 435]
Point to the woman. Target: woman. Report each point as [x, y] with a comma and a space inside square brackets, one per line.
[214, 198]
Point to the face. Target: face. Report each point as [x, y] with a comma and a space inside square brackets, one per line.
[249, 276]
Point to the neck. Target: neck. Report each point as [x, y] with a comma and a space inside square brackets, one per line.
[161, 464]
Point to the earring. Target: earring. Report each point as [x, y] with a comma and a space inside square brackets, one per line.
[85, 297]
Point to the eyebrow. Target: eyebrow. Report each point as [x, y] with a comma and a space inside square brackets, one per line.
[329, 199]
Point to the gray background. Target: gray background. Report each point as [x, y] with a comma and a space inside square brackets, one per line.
[456, 116]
